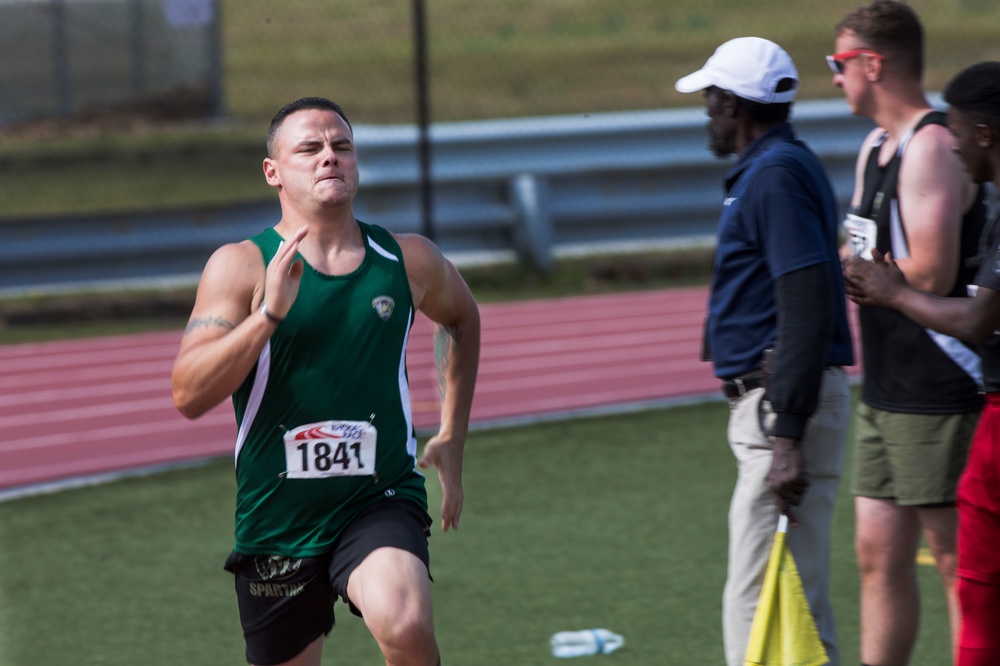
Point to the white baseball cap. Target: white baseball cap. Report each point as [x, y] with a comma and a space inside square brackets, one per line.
[748, 67]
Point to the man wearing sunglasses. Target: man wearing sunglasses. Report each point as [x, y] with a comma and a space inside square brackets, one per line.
[920, 395]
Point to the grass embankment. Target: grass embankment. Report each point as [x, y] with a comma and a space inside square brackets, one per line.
[500, 60]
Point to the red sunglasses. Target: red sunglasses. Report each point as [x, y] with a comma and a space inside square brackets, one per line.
[837, 60]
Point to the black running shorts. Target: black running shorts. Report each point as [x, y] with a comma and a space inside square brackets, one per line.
[287, 602]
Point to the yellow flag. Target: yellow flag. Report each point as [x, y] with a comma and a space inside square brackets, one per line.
[784, 632]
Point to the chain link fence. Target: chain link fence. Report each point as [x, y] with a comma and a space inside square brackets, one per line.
[504, 59]
[64, 59]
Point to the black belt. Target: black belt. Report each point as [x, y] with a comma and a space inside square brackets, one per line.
[735, 388]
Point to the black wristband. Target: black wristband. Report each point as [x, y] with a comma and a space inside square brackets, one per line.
[264, 311]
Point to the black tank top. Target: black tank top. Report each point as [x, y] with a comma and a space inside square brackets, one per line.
[906, 367]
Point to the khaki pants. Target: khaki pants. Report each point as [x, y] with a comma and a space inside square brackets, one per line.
[753, 515]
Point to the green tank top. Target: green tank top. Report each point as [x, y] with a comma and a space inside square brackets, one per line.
[325, 424]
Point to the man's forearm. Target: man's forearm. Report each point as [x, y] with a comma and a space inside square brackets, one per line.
[210, 371]
[806, 314]
[456, 356]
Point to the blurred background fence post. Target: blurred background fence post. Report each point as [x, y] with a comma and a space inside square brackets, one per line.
[423, 117]
[60, 60]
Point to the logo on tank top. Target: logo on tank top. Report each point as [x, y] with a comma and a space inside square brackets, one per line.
[383, 307]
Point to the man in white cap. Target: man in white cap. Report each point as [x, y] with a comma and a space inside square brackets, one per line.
[777, 331]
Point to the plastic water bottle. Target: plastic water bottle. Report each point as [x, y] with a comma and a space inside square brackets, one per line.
[582, 643]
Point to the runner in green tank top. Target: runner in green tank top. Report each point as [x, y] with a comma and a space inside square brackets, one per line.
[305, 326]
[307, 480]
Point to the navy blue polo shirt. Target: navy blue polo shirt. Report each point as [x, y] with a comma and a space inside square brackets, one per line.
[779, 215]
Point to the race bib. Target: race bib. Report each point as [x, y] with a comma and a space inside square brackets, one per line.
[330, 448]
[861, 234]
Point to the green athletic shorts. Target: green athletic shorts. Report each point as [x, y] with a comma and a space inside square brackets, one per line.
[915, 459]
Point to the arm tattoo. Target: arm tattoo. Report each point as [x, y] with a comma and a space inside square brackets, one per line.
[208, 322]
[445, 343]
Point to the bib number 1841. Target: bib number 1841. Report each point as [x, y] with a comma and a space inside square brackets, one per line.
[330, 448]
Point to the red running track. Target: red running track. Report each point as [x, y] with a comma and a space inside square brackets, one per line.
[79, 409]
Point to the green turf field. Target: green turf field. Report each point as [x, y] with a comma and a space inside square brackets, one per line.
[615, 521]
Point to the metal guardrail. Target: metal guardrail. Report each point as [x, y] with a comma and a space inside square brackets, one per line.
[530, 186]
